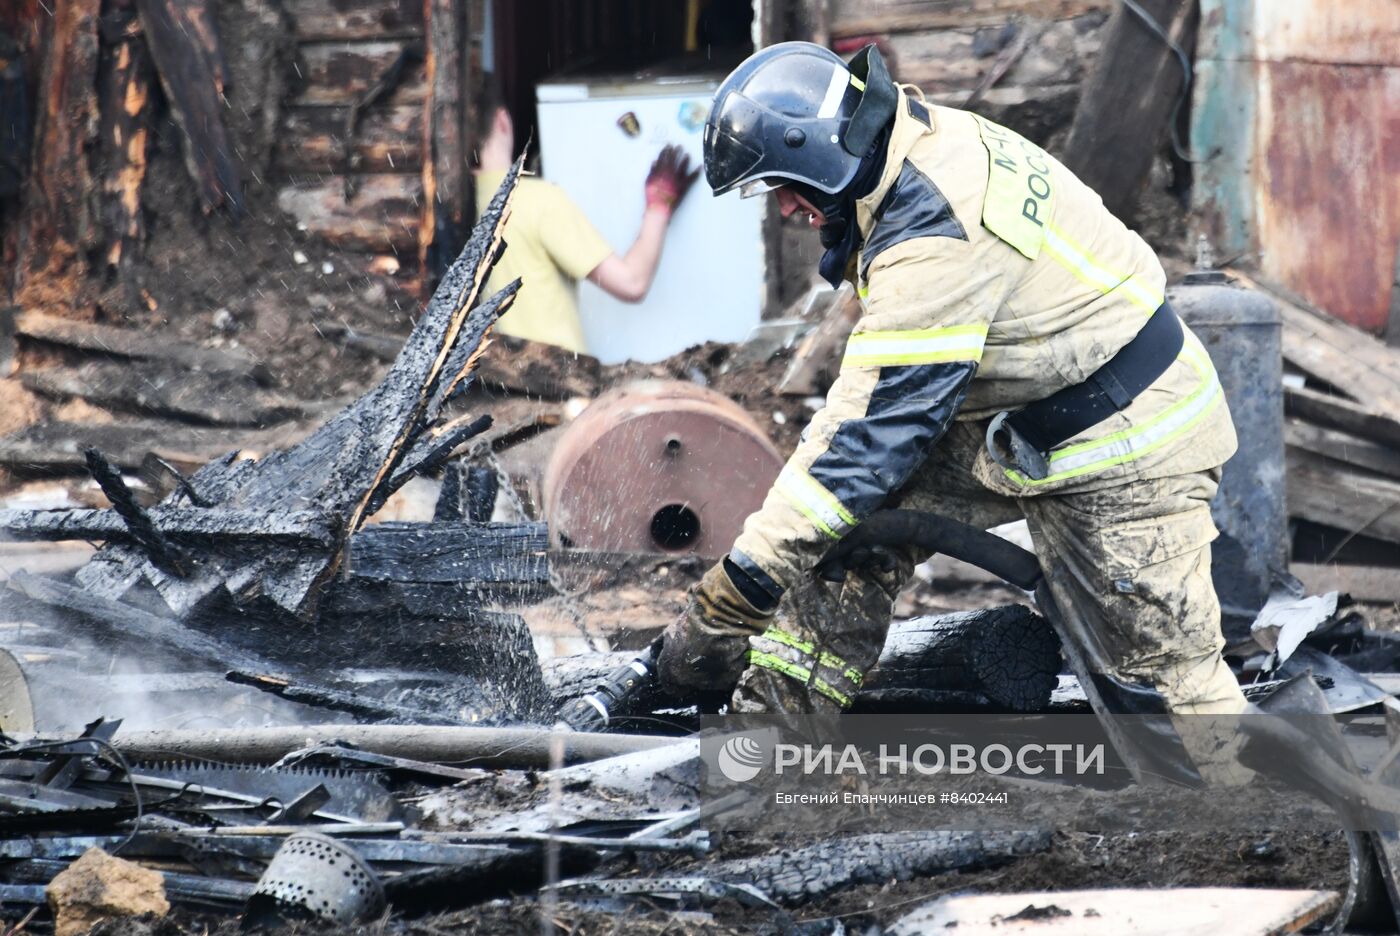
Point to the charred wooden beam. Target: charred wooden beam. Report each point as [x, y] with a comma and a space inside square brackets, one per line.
[352, 703]
[1008, 657]
[341, 20]
[1009, 654]
[185, 45]
[429, 455]
[461, 365]
[381, 600]
[446, 187]
[57, 447]
[116, 619]
[478, 553]
[166, 389]
[138, 522]
[192, 524]
[483, 484]
[1337, 413]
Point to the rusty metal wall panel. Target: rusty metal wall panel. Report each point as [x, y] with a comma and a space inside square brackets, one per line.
[1327, 185]
[1338, 32]
[1297, 116]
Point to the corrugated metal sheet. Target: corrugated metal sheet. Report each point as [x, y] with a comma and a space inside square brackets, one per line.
[1298, 113]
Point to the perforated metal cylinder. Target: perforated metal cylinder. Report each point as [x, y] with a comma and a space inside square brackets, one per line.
[313, 875]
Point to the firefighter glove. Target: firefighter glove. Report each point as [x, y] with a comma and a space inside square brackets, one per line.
[706, 648]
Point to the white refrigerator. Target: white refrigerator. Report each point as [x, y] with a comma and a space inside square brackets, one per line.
[598, 138]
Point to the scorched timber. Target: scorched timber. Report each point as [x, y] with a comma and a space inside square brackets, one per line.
[342, 468]
[449, 552]
[306, 527]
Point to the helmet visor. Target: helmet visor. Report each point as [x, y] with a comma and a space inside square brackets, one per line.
[734, 140]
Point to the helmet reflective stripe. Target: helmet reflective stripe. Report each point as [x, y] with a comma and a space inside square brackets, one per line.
[835, 91]
[781, 116]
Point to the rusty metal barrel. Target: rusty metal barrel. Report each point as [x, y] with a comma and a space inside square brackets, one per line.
[658, 466]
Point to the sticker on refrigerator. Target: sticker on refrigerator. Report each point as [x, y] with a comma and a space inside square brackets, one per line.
[692, 115]
[630, 124]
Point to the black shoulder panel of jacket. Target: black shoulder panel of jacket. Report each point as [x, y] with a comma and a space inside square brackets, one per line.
[913, 207]
[872, 456]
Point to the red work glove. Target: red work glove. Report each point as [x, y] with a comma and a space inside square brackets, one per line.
[669, 179]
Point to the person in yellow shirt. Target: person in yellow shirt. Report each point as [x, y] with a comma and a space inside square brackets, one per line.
[551, 245]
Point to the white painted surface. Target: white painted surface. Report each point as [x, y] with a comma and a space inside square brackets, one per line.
[709, 286]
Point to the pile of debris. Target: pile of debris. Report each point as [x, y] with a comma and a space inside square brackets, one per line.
[264, 565]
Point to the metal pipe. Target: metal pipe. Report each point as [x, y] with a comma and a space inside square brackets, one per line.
[518, 748]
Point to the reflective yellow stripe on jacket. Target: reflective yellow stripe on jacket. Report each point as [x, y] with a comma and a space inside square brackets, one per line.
[1088, 271]
[815, 502]
[916, 346]
[1122, 447]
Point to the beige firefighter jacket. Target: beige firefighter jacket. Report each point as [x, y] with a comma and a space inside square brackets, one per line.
[990, 277]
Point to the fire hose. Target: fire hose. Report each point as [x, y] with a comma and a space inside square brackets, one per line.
[869, 543]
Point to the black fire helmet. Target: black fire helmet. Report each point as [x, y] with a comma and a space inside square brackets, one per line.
[795, 112]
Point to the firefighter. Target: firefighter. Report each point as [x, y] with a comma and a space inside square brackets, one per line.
[1016, 357]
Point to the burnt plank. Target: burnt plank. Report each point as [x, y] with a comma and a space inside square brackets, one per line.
[184, 42]
[372, 599]
[461, 364]
[388, 139]
[178, 523]
[341, 73]
[485, 553]
[855, 18]
[322, 20]
[1337, 413]
[446, 211]
[1343, 447]
[1333, 493]
[432, 450]
[161, 388]
[139, 525]
[57, 447]
[130, 343]
[363, 707]
[115, 617]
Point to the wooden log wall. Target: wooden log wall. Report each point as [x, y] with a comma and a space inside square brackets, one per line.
[355, 152]
[1006, 52]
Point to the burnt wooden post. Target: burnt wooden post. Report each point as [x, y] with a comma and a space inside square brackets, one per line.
[56, 226]
[445, 188]
[1129, 99]
[124, 86]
